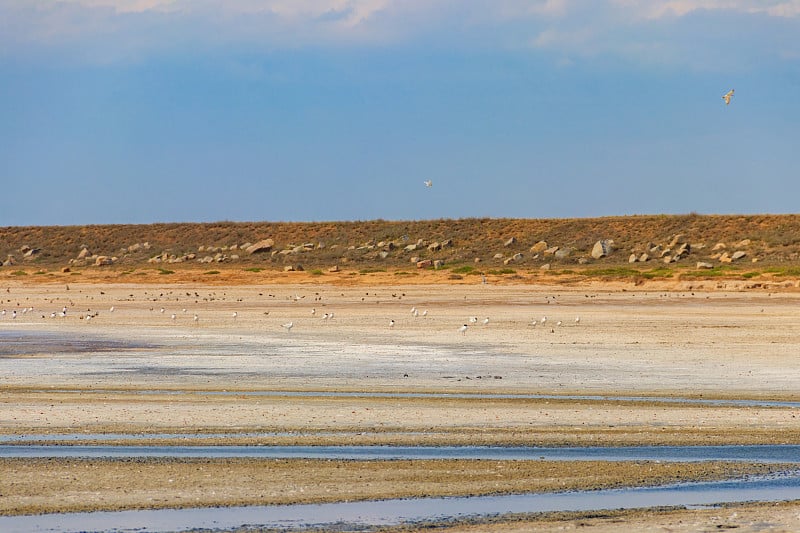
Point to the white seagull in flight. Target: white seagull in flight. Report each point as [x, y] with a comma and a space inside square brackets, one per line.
[727, 97]
[428, 183]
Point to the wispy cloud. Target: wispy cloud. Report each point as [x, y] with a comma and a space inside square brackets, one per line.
[645, 30]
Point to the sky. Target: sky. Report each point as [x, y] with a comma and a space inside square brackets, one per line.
[142, 111]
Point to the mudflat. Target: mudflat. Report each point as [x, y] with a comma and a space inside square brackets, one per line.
[596, 364]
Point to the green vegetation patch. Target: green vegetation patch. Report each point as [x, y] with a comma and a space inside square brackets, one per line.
[502, 272]
[316, 272]
[253, 269]
[403, 273]
[164, 271]
[371, 270]
[212, 272]
[783, 271]
[19, 273]
[464, 269]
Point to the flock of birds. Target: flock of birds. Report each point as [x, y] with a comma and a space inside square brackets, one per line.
[234, 315]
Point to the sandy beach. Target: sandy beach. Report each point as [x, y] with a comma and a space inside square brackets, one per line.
[202, 375]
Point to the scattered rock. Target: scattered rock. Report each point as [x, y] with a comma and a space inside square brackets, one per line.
[434, 247]
[288, 268]
[742, 243]
[602, 248]
[545, 266]
[425, 263]
[644, 258]
[498, 256]
[562, 253]
[410, 248]
[84, 253]
[103, 260]
[719, 246]
[264, 245]
[702, 265]
[66, 270]
[334, 268]
[510, 242]
[551, 251]
[739, 254]
[437, 264]
[539, 247]
[633, 258]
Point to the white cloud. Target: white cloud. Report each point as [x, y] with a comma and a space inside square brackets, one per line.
[645, 30]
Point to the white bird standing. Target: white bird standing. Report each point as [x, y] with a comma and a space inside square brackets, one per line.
[288, 326]
[111, 310]
[391, 323]
[425, 313]
[727, 97]
[428, 183]
[173, 317]
[463, 329]
[577, 320]
[543, 320]
[485, 320]
[196, 319]
[234, 315]
[473, 320]
[558, 323]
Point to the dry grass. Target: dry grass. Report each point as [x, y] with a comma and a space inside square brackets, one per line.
[775, 242]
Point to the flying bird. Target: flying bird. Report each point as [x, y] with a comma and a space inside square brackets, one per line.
[727, 97]
[428, 183]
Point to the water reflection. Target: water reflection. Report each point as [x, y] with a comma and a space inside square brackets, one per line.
[394, 512]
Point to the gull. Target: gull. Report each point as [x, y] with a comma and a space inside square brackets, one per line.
[53, 314]
[391, 323]
[415, 313]
[428, 183]
[288, 326]
[111, 310]
[413, 310]
[543, 320]
[425, 313]
[14, 314]
[234, 315]
[313, 312]
[727, 97]
[173, 317]
[330, 315]
[325, 316]
[473, 320]
[558, 323]
[162, 310]
[577, 320]
[485, 320]
[196, 318]
[463, 329]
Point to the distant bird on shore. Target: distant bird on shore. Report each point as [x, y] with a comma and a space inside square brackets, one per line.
[473, 320]
[463, 329]
[428, 183]
[391, 323]
[543, 320]
[288, 326]
[485, 320]
[727, 97]
[196, 319]
[577, 320]
[425, 313]
[234, 315]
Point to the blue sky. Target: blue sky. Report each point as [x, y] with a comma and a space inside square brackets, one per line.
[139, 111]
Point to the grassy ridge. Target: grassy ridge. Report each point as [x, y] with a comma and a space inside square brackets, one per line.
[774, 242]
